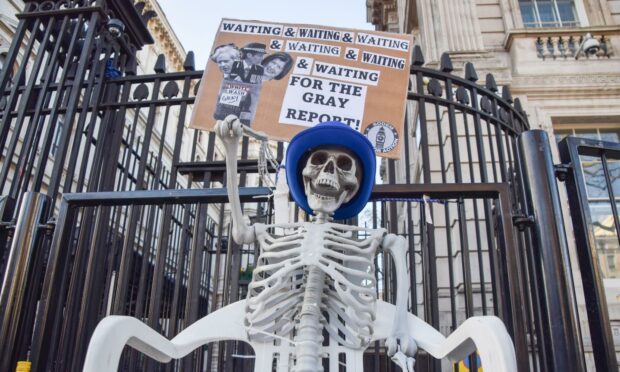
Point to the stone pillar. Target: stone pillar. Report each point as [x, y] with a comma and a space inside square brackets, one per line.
[431, 30]
[449, 26]
[463, 29]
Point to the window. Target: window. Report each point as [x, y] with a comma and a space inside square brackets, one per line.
[603, 133]
[548, 13]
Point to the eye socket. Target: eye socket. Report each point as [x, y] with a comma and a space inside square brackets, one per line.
[319, 158]
[344, 163]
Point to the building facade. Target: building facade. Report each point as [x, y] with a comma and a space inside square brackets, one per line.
[560, 58]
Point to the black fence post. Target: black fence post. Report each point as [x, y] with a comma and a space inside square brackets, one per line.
[18, 292]
[561, 332]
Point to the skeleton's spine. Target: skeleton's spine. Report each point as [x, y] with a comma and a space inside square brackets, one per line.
[309, 335]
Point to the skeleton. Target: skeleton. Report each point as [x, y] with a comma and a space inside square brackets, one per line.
[336, 266]
[306, 270]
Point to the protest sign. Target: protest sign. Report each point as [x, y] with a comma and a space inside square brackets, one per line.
[282, 78]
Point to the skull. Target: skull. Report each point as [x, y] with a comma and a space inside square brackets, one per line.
[331, 178]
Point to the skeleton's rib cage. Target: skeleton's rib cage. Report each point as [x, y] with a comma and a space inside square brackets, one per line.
[276, 291]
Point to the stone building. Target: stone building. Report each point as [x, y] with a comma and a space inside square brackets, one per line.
[560, 57]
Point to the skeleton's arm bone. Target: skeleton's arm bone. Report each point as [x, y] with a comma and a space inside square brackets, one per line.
[397, 246]
[229, 131]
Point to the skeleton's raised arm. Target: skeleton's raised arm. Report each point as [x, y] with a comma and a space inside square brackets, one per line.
[230, 131]
[400, 339]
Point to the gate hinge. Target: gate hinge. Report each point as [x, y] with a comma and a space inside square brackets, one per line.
[8, 225]
[522, 221]
[561, 171]
[49, 226]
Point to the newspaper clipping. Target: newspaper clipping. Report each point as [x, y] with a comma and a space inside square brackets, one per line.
[282, 78]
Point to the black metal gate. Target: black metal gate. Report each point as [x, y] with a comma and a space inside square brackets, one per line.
[112, 206]
[596, 179]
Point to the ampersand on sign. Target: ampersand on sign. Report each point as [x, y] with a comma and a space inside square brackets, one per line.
[290, 32]
[347, 37]
[302, 64]
[275, 44]
[351, 54]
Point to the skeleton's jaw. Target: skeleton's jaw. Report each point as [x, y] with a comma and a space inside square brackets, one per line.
[323, 198]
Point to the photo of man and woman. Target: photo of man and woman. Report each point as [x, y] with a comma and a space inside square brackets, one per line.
[244, 71]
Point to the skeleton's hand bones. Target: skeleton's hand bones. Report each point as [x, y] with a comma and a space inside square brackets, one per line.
[229, 130]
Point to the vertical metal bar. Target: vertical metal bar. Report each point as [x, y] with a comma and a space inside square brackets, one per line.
[498, 138]
[180, 269]
[73, 101]
[163, 241]
[12, 54]
[30, 147]
[513, 274]
[509, 139]
[17, 280]
[410, 230]
[26, 94]
[134, 213]
[235, 265]
[554, 273]
[58, 102]
[610, 191]
[391, 222]
[72, 311]
[129, 149]
[195, 267]
[92, 290]
[88, 283]
[529, 284]
[377, 344]
[428, 243]
[594, 289]
[447, 222]
[458, 178]
[491, 148]
[482, 162]
[231, 269]
[472, 179]
[14, 95]
[520, 259]
[116, 233]
[536, 343]
[49, 317]
[513, 126]
[6, 214]
[104, 160]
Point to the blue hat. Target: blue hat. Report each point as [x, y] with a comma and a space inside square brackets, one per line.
[335, 134]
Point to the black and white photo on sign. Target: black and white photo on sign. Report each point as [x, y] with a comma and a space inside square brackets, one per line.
[244, 70]
[276, 65]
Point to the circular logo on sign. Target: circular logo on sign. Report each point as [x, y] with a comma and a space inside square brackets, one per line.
[382, 135]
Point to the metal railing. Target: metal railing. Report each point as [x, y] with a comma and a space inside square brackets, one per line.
[134, 223]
